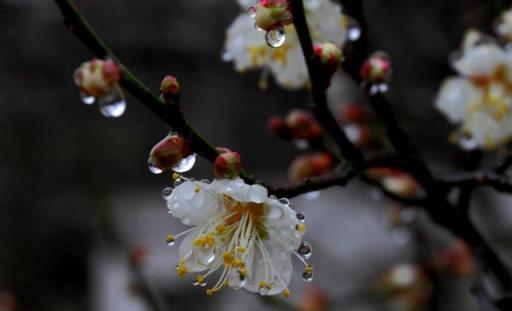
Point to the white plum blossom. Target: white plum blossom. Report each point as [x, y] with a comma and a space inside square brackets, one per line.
[246, 46]
[240, 231]
[479, 100]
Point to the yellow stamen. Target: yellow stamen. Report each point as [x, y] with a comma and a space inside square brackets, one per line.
[169, 239]
[181, 269]
[286, 293]
[229, 259]
[301, 227]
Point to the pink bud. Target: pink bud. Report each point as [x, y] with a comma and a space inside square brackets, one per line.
[278, 127]
[303, 125]
[271, 14]
[170, 85]
[97, 77]
[311, 165]
[377, 68]
[227, 164]
[456, 259]
[169, 152]
[353, 113]
[331, 57]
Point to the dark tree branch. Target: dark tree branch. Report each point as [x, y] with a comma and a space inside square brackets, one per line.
[318, 83]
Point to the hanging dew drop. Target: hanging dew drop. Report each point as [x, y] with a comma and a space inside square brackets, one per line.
[112, 106]
[301, 217]
[353, 29]
[186, 164]
[305, 250]
[276, 37]
[307, 276]
[153, 168]
[170, 240]
[86, 99]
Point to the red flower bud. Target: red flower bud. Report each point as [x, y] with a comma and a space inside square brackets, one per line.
[455, 259]
[353, 113]
[138, 255]
[97, 77]
[278, 127]
[314, 300]
[170, 86]
[358, 134]
[330, 56]
[168, 153]
[307, 166]
[227, 164]
[377, 68]
[303, 125]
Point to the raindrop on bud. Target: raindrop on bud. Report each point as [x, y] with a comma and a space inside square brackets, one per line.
[276, 37]
[153, 168]
[112, 106]
[186, 164]
[86, 99]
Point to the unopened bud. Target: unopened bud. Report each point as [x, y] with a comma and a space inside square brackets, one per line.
[331, 57]
[271, 14]
[227, 164]
[303, 125]
[358, 134]
[169, 152]
[456, 259]
[307, 166]
[277, 126]
[97, 78]
[353, 113]
[377, 68]
[170, 85]
[403, 185]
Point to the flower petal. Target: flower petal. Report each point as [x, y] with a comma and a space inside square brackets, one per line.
[455, 97]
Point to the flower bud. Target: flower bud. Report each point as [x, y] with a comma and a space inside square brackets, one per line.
[330, 57]
[353, 113]
[303, 125]
[97, 78]
[503, 26]
[307, 166]
[271, 14]
[456, 259]
[169, 152]
[358, 134]
[377, 68]
[314, 300]
[329, 54]
[402, 185]
[278, 127]
[138, 255]
[170, 86]
[227, 164]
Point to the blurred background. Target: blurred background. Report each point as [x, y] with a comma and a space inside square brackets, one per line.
[74, 184]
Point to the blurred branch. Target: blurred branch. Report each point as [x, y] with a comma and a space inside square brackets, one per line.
[482, 178]
[318, 90]
[170, 114]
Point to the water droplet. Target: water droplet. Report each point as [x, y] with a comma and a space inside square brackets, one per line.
[466, 142]
[307, 276]
[379, 88]
[305, 250]
[153, 168]
[276, 37]
[301, 144]
[258, 27]
[203, 256]
[301, 217]
[284, 201]
[251, 11]
[274, 212]
[226, 56]
[112, 106]
[263, 290]
[236, 279]
[166, 192]
[170, 240]
[353, 29]
[186, 164]
[86, 99]
[201, 283]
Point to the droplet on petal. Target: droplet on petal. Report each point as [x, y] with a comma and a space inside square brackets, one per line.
[112, 106]
[186, 164]
[276, 37]
[274, 212]
[86, 99]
